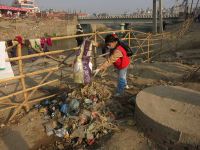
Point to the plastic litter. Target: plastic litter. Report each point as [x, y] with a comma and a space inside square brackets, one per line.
[74, 107]
[79, 117]
[61, 132]
[64, 109]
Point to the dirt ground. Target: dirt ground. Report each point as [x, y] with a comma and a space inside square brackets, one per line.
[167, 69]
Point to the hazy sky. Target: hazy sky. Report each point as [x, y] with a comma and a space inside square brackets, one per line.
[110, 6]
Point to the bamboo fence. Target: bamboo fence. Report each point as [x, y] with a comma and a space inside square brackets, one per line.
[146, 45]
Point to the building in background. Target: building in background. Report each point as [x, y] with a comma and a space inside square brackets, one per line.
[28, 4]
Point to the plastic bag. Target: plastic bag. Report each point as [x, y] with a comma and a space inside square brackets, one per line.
[78, 72]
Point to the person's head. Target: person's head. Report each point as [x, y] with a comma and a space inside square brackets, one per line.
[78, 26]
[111, 41]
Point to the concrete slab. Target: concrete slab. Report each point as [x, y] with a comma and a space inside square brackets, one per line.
[170, 115]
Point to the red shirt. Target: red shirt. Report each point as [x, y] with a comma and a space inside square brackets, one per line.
[124, 61]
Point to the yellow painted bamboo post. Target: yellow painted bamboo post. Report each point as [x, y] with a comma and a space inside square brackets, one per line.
[129, 38]
[20, 63]
[148, 48]
[129, 43]
[95, 51]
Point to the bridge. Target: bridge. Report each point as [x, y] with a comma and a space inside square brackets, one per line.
[126, 19]
[149, 18]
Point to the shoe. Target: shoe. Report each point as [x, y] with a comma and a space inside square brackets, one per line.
[127, 87]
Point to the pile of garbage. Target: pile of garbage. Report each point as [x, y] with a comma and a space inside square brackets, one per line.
[79, 117]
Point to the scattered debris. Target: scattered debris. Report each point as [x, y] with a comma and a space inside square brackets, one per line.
[80, 117]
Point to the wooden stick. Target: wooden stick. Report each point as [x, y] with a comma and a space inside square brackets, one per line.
[40, 54]
[90, 34]
[156, 54]
[145, 45]
[8, 103]
[116, 31]
[29, 74]
[28, 89]
[19, 54]
[51, 57]
[143, 53]
[129, 39]
[40, 99]
[126, 34]
[70, 37]
[90, 38]
[141, 39]
[31, 94]
[100, 37]
[140, 45]
[35, 55]
[30, 102]
[7, 108]
[148, 56]
[119, 31]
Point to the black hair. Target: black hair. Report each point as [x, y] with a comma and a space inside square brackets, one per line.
[78, 26]
[114, 38]
[111, 38]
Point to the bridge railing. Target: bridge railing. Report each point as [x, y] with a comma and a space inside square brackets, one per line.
[127, 17]
[24, 94]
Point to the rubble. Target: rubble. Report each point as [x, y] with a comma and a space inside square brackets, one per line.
[80, 117]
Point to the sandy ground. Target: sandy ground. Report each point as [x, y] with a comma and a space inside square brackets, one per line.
[28, 133]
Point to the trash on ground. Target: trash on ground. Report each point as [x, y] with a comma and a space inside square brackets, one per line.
[79, 117]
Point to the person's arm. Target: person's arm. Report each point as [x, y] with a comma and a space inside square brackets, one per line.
[116, 55]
